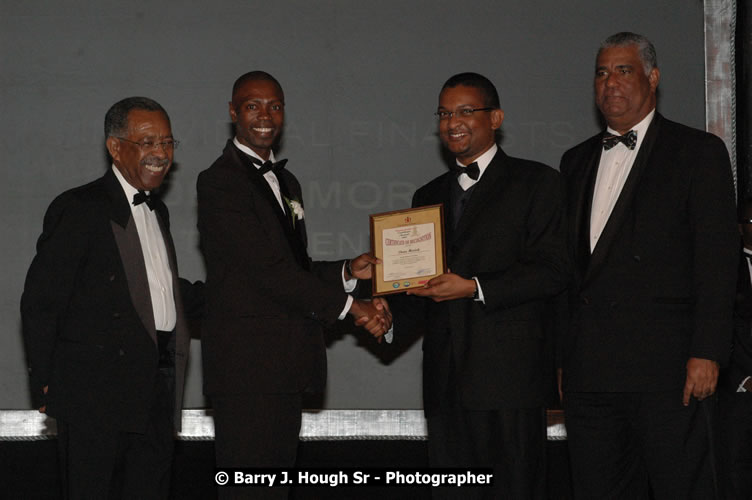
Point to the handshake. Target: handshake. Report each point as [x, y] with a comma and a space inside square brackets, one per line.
[373, 315]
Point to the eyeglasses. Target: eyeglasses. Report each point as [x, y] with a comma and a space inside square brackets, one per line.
[146, 146]
[460, 113]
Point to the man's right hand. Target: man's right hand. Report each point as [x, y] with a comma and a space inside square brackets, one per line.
[374, 316]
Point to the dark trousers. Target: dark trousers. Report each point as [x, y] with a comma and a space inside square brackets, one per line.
[736, 443]
[256, 430]
[98, 463]
[510, 441]
[623, 445]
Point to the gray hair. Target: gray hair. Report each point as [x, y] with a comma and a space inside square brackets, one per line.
[645, 48]
[116, 119]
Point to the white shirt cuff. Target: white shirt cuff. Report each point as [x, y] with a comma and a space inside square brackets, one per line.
[349, 285]
[480, 291]
[346, 310]
[741, 386]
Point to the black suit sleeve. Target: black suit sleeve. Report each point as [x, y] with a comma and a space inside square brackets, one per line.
[233, 233]
[715, 250]
[542, 269]
[194, 298]
[50, 283]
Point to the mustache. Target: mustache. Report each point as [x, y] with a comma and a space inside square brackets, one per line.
[154, 160]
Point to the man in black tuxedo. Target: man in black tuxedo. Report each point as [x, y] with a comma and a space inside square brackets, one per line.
[103, 321]
[483, 363]
[735, 386]
[650, 225]
[262, 341]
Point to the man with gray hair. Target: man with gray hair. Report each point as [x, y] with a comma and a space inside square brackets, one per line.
[650, 223]
[103, 317]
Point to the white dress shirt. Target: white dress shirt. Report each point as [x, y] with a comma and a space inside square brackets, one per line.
[156, 260]
[613, 170]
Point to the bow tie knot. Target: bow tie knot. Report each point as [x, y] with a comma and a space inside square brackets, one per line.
[472, 170]
[610, 140]
[268, 166]
[142, 197]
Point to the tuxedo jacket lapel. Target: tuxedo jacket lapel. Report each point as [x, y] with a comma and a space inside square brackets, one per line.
[484, 189]
[583, 208]
[294, 236]
[624, 202]
[131, 255]
[443, 195]
[296, 233]
[258, 180]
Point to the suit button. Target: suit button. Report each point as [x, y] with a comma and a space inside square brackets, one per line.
[116, 315]
[121, 352]
[585, 300]
[112, 277]
[613, 305]
[637, 258]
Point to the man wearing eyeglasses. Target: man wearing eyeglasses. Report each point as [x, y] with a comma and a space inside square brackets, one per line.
[103, 319]
[484, 377]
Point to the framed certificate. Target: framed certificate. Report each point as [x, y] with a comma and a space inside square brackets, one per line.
[410, 244]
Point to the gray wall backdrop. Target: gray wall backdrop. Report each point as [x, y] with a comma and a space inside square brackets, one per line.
[361, 81]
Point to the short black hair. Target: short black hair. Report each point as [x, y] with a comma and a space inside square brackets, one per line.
[490, 95]
[255, 75]
[116, 119]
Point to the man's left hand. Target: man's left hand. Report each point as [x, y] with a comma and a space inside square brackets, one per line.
[361, 267]
[702, 377]
[447, 286]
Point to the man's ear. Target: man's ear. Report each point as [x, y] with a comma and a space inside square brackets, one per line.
[497, 117]
[654, 77]
[233, 113]
[113, 147]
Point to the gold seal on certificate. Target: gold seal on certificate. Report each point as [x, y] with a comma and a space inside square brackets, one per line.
[410, 244]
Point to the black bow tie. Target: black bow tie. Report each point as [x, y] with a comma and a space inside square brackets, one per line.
[141, 197]
[610, 140]
[472, 170]
[268, 166]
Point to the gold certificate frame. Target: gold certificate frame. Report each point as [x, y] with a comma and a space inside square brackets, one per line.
[410, 245]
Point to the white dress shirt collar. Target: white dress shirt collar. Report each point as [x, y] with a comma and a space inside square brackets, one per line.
[127, 188]
[641, 129]
[483, 161]
[251, 152]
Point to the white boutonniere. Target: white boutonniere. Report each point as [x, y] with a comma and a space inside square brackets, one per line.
[296, 210]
